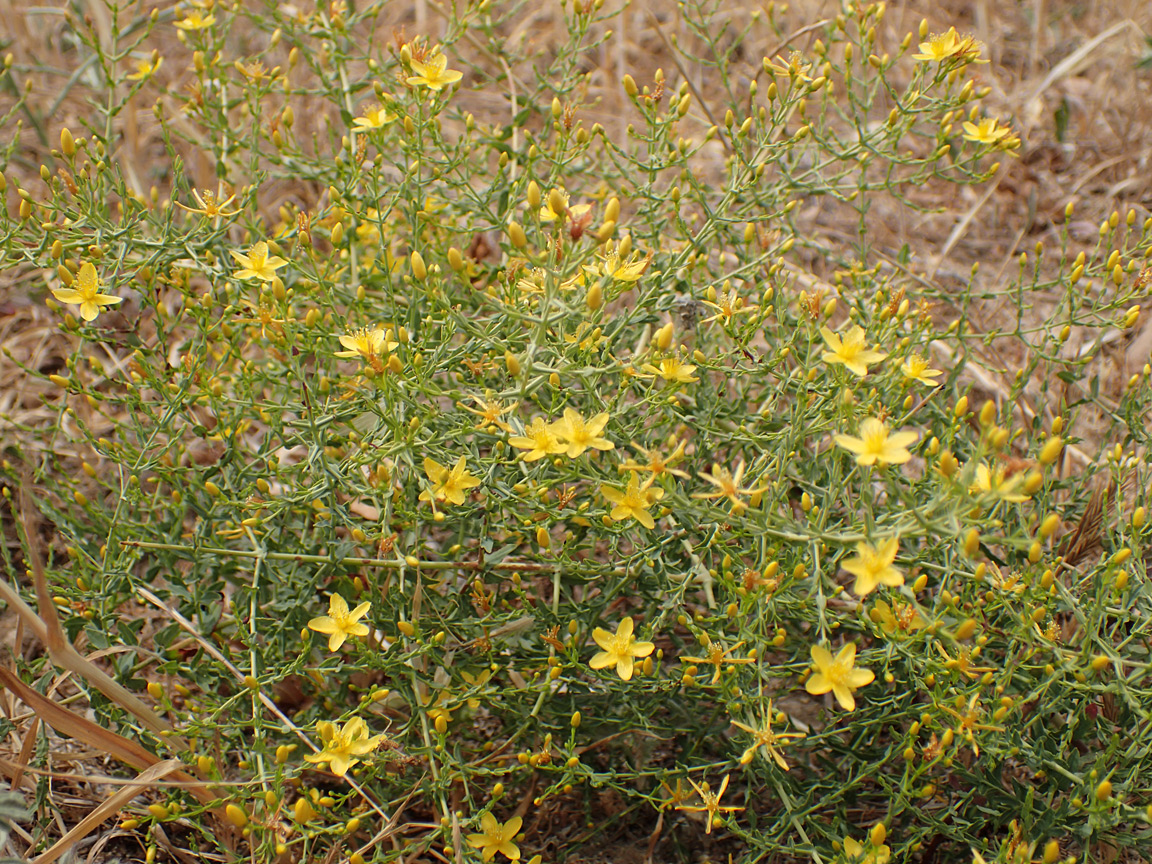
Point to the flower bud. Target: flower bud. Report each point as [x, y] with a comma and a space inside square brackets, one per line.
[419, 270]
[878, 834]
[517, 236]
[556, 202]
[236, 815]
[611, 210]
[1051, 450]
[595, 297]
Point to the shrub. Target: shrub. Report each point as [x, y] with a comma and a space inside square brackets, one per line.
[466, 488]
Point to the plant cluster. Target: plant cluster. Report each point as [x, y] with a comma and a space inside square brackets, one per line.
[450, 483]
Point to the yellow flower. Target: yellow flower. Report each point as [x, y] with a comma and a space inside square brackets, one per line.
[851, 350]
[657, 463]
[717, 656]
[145, 68]
[258, 264]
[943, 46]
[448, 485]
[579, 435]
[709, 803]
[620, 269]
[899, 616]
[340, 623]
[836, 674]
[728, 305]
[196, 20]
[85, 292]
[343, 747]
[496, 837]
[991, 481]
[375, 117]
[940, 47]
[872, 566]
[539, 441]
[209, 206]
[433, 73]
[619, 649]
[854, 853]
[728, 486]
[766, 738]
[366, 343]
[794, 67]
[489, 412]
[876, 446]
[634, 501]
[915, 368]
[575, 213]
[987, 131]
[671, 370]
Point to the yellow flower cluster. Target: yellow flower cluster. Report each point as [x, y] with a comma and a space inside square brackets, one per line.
[571, 435]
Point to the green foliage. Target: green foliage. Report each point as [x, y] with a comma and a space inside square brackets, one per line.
[673, 288]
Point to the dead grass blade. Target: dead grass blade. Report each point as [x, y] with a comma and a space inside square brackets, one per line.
[82, 729]
[107, 809]
[1072, 62]
[47, 628]
[1086, 536]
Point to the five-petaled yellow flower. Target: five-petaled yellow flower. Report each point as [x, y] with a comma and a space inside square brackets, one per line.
[489, 412]
[257, 264]
[374, 117]
[943, 46]
[899, 616]
[876, 446]
[634, 501]
[837, 674]
[658, 463]
[539, 440]
[209, 206]
[620, 269]
[366, 343]
[145, 68]
[728, 305]
[717, 656]
[496, 837]
[434, 73]
[992, 481]
[196, 20]
[619, 649]
[343, 747]
[340, 623]
[85, 292]
[448, 484]
[579, 434]
[915, 368]
[709, 803]
[872, 566]
[987, 131]
[728, 486]
[671, 370]
[851, 350]
[766, 738]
